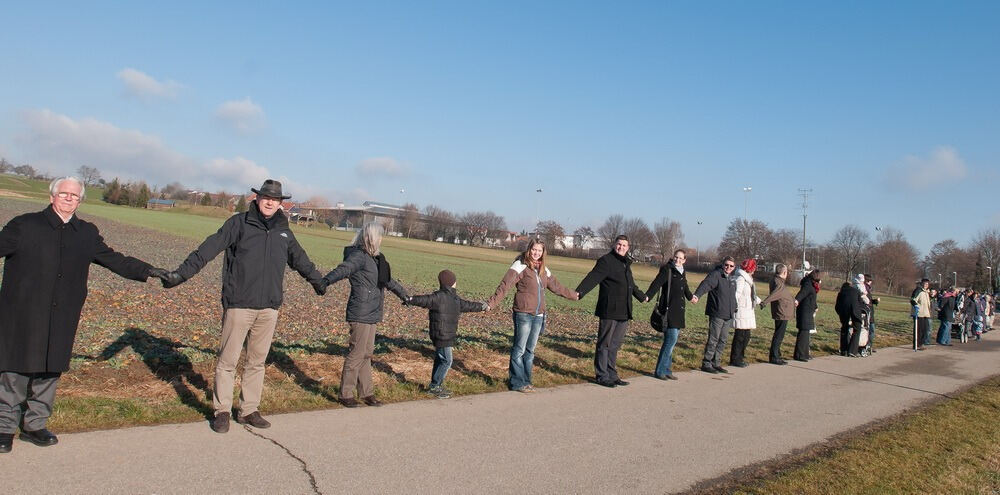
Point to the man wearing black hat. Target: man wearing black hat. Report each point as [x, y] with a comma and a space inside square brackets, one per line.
[258, 245]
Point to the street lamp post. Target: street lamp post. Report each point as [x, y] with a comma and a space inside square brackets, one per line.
[697, 245]
[990, 271]
[939, 282]
[746, 202]
[538, 209]
[955, 274]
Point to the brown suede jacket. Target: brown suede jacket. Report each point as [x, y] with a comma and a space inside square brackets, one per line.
[531, 285]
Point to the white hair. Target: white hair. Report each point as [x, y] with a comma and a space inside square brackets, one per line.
[54, 186]
[369, 238]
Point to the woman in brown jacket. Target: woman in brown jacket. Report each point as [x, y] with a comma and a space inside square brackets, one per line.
[531, 277]
[782, 310]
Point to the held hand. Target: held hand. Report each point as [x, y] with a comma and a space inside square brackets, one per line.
[171, 280]
[694, 299]
[646, 299]
[159, 273]
[320, 286]
[486, 307]
[796, 302]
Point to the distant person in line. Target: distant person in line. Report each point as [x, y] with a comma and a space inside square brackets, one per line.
[613, 272]
[258, 246]
[805, 312]
[444, 307]
[974, 313]
[782, 310]
[529, 275]
[673, 299]
[47, 262]
[872, 306]
[746, 318]
[370, 274]
[920, 300]
[946, 314]
[849, 308]
[988, 306]
[720, 285]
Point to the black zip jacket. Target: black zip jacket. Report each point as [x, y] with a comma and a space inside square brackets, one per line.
[445, 307]
[849, 304]
[365, 303]
[614, 274]
[253, 273]
[721, 291]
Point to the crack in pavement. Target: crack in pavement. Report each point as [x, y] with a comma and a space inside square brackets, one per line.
[305, 467]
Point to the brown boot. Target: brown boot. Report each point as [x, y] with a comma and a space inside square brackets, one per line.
[220, 423]
[371, 401]
[254, 419]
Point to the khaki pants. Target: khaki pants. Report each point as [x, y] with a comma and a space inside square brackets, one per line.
[253, 329]
[358, 365]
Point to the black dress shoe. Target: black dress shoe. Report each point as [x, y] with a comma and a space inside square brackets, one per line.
[6, 442]
[741, 364]
[853, 355]
[371, 401]
[607, 384]
[254, 419]
[41, 438]
[620, 382]
[802, 360]
[779, 362]
[351, 402]
[720, 369]
[709, 369]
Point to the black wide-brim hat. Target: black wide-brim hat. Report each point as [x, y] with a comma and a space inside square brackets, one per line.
[271, 188]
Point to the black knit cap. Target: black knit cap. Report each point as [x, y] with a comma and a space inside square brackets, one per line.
[446, 278]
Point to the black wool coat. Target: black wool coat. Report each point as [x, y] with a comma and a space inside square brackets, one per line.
[47, 263]
[805, 312]
[614, 274]
[365, 305]
[676, 300]
[445, 307]
[849, 304]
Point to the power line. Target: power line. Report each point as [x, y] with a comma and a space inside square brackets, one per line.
[805, 206]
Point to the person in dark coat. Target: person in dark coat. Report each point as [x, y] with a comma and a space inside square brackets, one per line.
[849, 307]
[444, 307]
[720, 309]
[613, 272]
[673, 298]
[369, 274]
[946, 314]
[47, 262]
[258, 246]
[782, 310]
[805, 312]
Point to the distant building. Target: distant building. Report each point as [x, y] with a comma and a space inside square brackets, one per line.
[160, 204]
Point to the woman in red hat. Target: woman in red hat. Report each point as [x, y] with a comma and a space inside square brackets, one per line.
[745, 320]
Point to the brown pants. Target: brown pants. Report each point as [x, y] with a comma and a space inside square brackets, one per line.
[358, 364]
[253, 329]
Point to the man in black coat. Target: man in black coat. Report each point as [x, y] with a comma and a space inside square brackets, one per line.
[48, 256]
[613, 272]
[720, 308]
[849, 307]
[946, 314]
[258, 246]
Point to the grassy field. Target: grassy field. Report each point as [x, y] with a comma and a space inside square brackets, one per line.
[950, 447]
[144, 355]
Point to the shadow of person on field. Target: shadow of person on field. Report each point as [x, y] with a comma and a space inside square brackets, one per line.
[283, 361]
[384, 345]
[167, 363]
[494, 344]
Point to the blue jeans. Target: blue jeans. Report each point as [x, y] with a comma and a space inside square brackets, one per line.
[667, 351]
[442, 363]
[527, 327]
[944, 333]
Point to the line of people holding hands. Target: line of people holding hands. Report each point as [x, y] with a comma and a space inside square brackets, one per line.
[48, 255]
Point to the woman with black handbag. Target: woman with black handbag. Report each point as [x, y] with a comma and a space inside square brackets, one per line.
[668, 315]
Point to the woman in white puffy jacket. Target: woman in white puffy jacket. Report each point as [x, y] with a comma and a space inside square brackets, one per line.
[746, 319]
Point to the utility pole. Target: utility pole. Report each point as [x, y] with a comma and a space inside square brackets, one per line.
[805, 206]
[697, 248]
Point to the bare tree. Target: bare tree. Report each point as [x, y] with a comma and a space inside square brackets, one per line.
[613, 227]
[987, 242]
[441, 223]
[411, 215]
[25, 170]
[551, 233]
[642, 242]
[5, 166]
[89, 175]
[894, 260]
[848, 245]
[745, 239]
[668, 236]
[943, 258]
[174, 190]
[785, 247]
[584, 234]
[476, 226]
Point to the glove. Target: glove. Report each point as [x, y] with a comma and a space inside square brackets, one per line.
[171, 280]
[320, 286]
[486, 307]
[159, 273]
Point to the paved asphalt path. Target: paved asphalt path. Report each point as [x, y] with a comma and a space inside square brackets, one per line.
[649, 437]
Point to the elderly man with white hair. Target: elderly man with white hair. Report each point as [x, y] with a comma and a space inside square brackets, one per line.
[47, 262]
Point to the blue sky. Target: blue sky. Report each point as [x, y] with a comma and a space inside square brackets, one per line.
[888, 111]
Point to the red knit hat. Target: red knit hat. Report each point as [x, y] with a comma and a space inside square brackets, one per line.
[749, 265]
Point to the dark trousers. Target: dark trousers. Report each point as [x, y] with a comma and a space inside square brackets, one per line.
[802, 344]
[718, 332]
[779, 334]
[610, 334]
[31, 394]
[924, 331]
[849, 341]
[740, 340]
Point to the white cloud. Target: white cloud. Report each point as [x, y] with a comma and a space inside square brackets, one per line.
[244, 115]
[138, 83]
[915, 173]
[382, 167]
